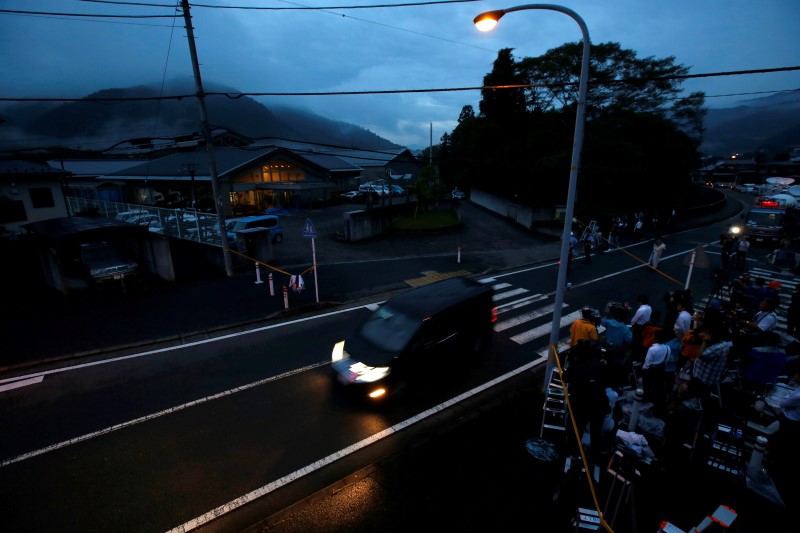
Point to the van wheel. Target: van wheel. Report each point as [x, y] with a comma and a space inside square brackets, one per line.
[278, 238]
[480, 344]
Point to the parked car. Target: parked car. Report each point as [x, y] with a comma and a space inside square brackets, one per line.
[457, 194]
[272, 222]
[380, 190]
[353, 195]
[104, 262]
[421, 335]
[154, 226]
[142, 220]
[397, 190]
[125, 216]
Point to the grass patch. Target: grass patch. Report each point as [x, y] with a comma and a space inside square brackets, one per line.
[429, 220]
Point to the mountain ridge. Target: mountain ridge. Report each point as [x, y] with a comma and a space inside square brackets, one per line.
[92, 125]
[770, 123]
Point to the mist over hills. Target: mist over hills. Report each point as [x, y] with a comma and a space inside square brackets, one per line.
[96, 126]
[770, 123]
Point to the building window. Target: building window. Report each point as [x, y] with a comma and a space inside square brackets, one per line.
[42, 197]
[277, 171]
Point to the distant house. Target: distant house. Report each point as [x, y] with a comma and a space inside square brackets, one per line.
[82, 181]
[29, 192]
[396, 166]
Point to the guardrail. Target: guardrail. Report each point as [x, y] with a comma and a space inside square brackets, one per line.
[179, 223]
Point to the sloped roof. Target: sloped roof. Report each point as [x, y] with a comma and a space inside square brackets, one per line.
[66, 227]
[227, 160]
[19, 167]
[86, 168]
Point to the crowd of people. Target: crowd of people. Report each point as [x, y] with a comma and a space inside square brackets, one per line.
[678, 356]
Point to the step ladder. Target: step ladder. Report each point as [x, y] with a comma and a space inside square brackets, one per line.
[591, 229]
[554, 412]
[725, 450]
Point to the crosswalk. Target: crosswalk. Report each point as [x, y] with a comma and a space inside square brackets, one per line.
[526, 316]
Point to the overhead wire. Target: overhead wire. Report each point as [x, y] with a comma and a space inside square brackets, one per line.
[234, 96]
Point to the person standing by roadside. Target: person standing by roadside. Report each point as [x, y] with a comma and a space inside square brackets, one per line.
[583, 329]
[683, 322]
[727, 245]
[742, 247]
[641, 317]
[588, 243]
[658, 251]
[793, 314]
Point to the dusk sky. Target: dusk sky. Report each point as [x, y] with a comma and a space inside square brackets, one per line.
[336, 49]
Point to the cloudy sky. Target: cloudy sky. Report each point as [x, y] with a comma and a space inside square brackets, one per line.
[335, 49]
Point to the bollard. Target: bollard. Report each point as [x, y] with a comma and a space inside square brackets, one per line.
[285, 297]
[258, 274]
[271, 286]
[637, 404]
[754, 466]
[459, 255]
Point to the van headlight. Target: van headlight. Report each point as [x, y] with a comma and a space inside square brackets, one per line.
[736, 230]
[338, 351]
[367, 374]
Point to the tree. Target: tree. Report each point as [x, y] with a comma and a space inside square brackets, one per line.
[520, 143]
[503, 105]
[467, 113]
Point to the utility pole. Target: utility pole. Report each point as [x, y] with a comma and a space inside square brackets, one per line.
[212, 165]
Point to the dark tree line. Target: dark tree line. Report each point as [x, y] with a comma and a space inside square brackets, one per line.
[641, 135]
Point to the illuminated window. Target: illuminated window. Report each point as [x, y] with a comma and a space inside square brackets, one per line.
[281, 171]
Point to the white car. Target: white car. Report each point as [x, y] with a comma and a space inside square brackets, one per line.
[457, 194]
[380, 190]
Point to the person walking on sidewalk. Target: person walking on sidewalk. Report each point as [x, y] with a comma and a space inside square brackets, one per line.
[658, 251]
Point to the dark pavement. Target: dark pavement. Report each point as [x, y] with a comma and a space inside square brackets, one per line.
[472, 475]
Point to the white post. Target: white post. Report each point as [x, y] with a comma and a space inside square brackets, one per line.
[285, 297]
[754, 466]
[314, 262]
[271, 286]
[258, 274]
[691, 265]
[637, 405]
[459, 255]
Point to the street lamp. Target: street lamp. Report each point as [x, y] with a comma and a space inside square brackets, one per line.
[487, 21]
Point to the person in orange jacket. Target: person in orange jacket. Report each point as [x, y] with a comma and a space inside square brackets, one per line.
[583, 329]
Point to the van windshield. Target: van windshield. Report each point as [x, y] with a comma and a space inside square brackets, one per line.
[389, 329]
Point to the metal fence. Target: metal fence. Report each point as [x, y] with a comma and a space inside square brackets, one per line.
[179, 223]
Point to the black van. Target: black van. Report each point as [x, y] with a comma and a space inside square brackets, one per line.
[421, 331]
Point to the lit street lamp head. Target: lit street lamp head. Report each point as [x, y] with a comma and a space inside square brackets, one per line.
[487, 21]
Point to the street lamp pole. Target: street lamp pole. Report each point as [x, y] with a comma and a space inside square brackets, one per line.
[487, 21]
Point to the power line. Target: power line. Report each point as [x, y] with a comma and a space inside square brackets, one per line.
[296, 7]
[234, 96]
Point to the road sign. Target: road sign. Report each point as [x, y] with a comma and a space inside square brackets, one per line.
[309, 231]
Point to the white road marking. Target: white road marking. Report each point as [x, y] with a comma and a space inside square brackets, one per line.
[21, 383]
[153, 416]
[544, 329]
[525, 317]
[508, 294]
